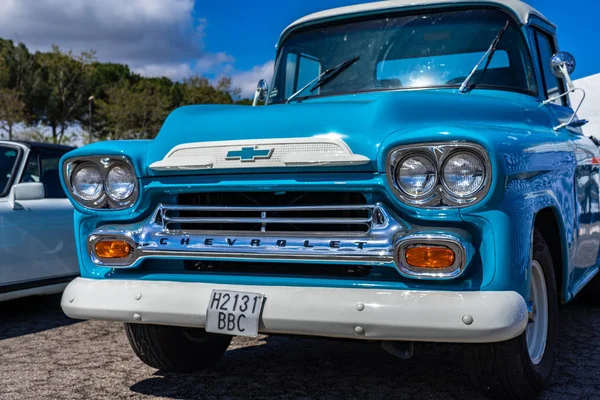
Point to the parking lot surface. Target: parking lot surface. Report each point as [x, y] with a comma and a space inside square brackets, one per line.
[44, 354]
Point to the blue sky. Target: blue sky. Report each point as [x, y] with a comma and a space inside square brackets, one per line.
[236, 38]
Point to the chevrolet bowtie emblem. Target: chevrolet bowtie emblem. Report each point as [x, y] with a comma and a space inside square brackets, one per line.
[249, 154]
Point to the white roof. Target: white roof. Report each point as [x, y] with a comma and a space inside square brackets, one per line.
[589, 109]
[521, 9]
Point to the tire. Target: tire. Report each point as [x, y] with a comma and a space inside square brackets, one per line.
[506, 370]
[175, 349]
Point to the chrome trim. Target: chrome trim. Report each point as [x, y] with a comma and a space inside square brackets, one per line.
[261, 216]
[439, 153]
[454, 271]
[93, 239]
[261, 92]
[152, 239]
[331, 258]
[104, 163]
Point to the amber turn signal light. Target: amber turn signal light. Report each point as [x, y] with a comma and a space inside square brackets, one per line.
[113, 249]
[429, 257]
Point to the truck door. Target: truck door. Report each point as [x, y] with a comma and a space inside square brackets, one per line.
[585, 249]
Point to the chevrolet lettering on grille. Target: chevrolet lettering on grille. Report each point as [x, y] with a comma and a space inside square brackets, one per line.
[308, 244]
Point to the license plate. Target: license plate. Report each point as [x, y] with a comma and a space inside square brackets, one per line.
[234, 313]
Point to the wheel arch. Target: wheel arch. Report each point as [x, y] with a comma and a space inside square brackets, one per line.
[549, 223]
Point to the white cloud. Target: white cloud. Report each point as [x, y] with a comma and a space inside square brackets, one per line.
[154, 37]
[174, 72]
[149, 35]
[247, 80]
[216, 62]
[211, 63]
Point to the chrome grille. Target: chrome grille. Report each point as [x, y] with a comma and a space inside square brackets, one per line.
[344, 213]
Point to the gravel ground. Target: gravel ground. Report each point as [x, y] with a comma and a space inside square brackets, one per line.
[44, 354]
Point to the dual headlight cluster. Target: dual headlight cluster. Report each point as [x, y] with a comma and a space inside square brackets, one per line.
[102, 182]
[439, 174]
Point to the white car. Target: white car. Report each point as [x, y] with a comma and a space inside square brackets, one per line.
[37, 246]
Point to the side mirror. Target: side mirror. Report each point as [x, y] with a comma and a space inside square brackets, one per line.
[261, 92]
[563, 65]
[25, 191]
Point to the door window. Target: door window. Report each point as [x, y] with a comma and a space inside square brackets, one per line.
[8, 163]
[553, 86]
[32, 168]
[300, 70]
[43, 166]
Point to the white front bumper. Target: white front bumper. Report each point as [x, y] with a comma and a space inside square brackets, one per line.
[437, 316]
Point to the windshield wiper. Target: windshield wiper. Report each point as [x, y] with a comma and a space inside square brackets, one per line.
[325, 77]
[488, 55]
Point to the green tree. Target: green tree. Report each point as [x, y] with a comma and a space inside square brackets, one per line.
[12, 110]
[135, 111]
[198, 90]
[17, 86]
[65, 87]
[104, 76]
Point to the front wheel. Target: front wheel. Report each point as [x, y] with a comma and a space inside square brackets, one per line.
[521, 367]
[175, 349]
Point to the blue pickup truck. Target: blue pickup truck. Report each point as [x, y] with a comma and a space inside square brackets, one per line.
[415, 172]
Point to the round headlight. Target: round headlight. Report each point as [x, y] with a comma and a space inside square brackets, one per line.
[416, 175]
[120, 182]
[463, 174]
[87, 183]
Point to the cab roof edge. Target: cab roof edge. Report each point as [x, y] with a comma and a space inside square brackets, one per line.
[520, 9]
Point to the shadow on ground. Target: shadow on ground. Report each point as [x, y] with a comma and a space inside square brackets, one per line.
[301, 368]
[31, 315]
[306, 368]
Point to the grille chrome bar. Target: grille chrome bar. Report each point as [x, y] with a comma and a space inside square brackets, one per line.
[153, 238]
[357, 218]
[261, 208]
[269, 220]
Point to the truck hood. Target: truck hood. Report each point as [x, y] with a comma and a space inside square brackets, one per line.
[365, 122]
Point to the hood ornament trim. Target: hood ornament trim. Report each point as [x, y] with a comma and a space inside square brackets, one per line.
[260, 153]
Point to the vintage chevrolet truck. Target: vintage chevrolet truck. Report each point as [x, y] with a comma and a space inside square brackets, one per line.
[415, 173]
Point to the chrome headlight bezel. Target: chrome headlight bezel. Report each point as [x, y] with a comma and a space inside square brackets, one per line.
[104, 164]
[440, 196]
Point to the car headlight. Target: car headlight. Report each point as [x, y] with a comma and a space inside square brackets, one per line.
[416, 175]
[463, 174]
[450, 174]
[101, 182]
[120, 182]
[87, 182]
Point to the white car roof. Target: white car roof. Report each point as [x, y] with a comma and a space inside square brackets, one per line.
[521, 10]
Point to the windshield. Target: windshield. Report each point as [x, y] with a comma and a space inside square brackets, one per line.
[8, 158]
[429, 50]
